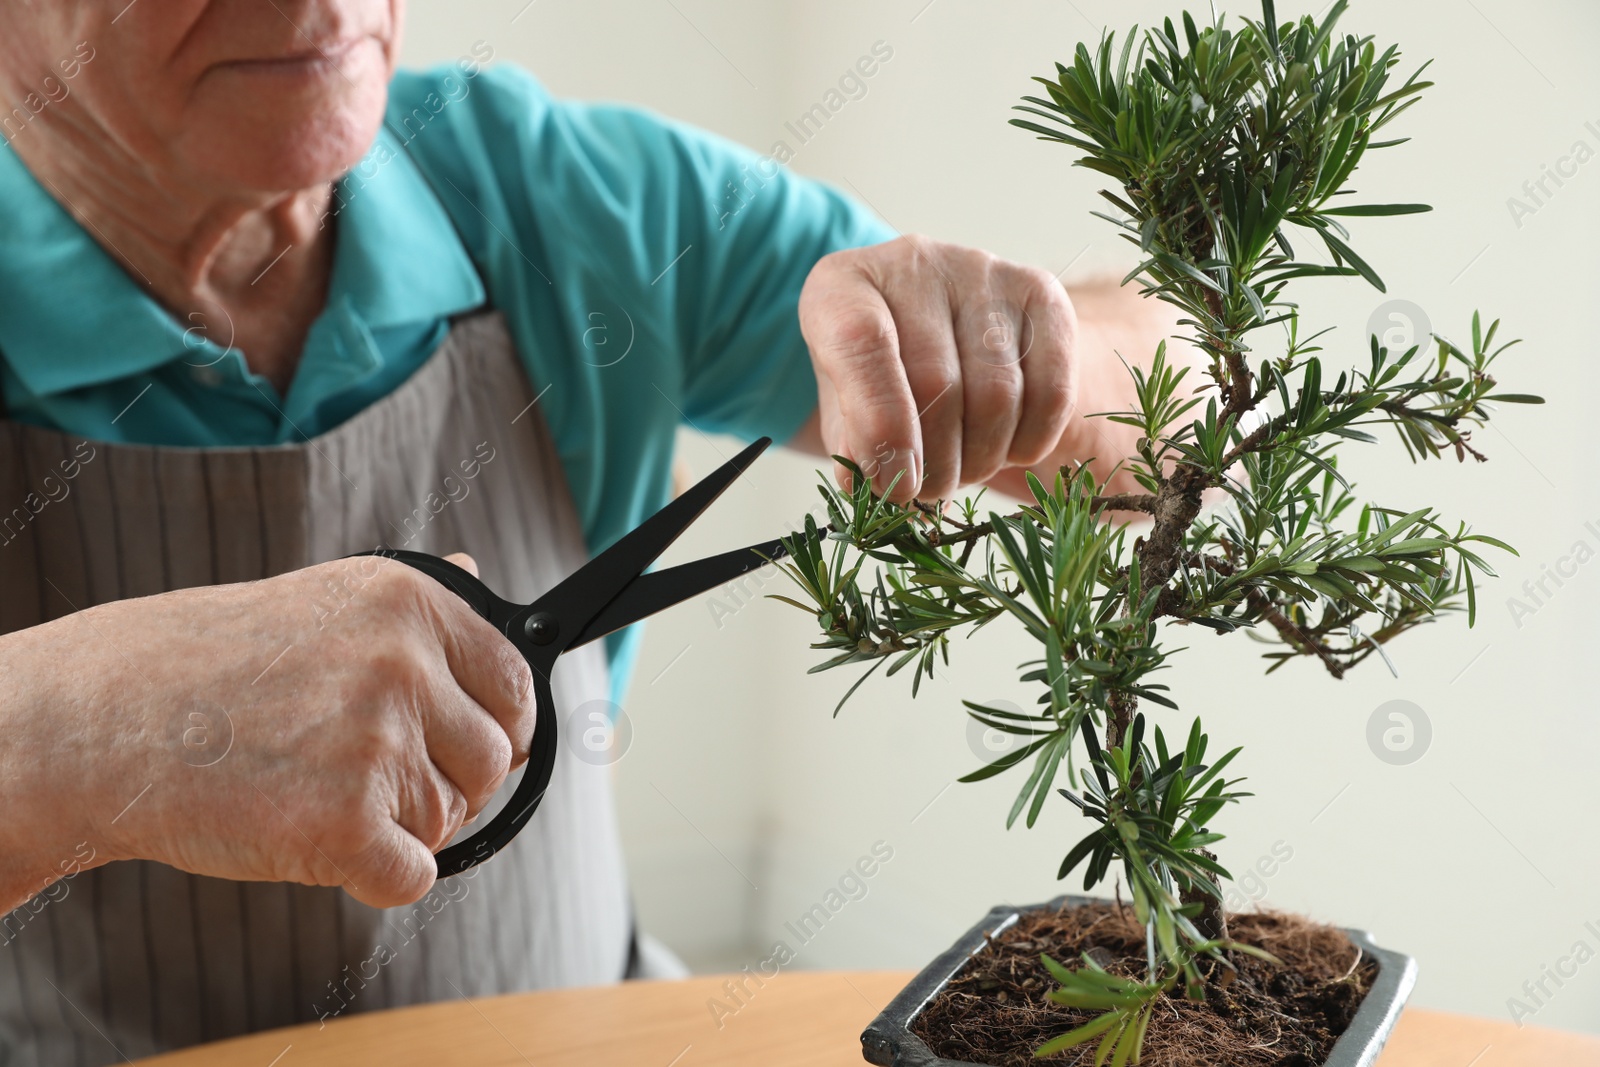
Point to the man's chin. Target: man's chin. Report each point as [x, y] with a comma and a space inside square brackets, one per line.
[282, 129]
[281, 149]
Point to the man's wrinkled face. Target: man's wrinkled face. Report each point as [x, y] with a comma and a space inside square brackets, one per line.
[223, 95]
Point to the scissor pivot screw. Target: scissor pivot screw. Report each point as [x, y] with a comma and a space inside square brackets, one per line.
[540, 628]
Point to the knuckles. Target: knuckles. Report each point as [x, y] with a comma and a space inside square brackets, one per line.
[934, 380]
[517, 678]
[1040, 286]
[490, 764]
[996, 392]
[440, 810]
[858, 334]
[856, 337]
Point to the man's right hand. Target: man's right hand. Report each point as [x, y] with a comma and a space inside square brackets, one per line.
[332, 726]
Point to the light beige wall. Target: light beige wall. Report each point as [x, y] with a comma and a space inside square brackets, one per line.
[743, 801]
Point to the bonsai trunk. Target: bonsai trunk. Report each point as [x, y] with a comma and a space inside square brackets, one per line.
[1121, 706]
[1212, 922]
[1175, 508]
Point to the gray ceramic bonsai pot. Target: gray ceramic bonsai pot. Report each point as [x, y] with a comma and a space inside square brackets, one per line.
[890, 1042]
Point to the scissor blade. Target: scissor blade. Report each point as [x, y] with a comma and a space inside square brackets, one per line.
[587, 591]
[656, 591]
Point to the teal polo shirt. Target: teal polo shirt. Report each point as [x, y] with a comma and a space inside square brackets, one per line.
[649, 273]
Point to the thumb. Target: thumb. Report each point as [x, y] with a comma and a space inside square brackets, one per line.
[464, 561]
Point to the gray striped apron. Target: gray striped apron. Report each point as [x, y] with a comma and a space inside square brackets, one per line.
[133, 958]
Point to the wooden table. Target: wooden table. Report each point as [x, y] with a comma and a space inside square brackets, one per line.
[809, 1018]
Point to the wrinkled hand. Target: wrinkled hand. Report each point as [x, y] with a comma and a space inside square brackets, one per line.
[942, 364]
[332, 726]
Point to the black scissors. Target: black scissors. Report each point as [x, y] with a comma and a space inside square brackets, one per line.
[607, 593]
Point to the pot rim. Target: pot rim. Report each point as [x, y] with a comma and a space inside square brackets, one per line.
[888, 1040]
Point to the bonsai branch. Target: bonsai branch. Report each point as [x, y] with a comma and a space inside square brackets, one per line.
[1292, 634]
[1127, 502]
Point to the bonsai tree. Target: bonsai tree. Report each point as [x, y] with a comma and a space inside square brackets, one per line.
[1225, 150]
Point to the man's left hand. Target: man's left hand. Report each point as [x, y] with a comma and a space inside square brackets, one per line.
[945, 363]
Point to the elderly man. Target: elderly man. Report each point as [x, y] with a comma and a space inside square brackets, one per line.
[265, 302]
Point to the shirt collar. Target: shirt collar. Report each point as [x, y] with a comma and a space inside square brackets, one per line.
[71, 316]
[399, 258]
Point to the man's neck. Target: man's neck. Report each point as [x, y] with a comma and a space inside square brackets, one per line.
[250, 270]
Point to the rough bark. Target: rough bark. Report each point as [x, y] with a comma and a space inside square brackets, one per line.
[1212, 922]
[1176, 506]
[1121, 706]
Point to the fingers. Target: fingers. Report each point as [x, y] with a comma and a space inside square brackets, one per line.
[469, 750]
[994, 335]
[855, 346]
[435, 768]
[1049, 370]
[489, 670]
[474, 716]
[945, 363]
[932, 364]
[394, 869]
